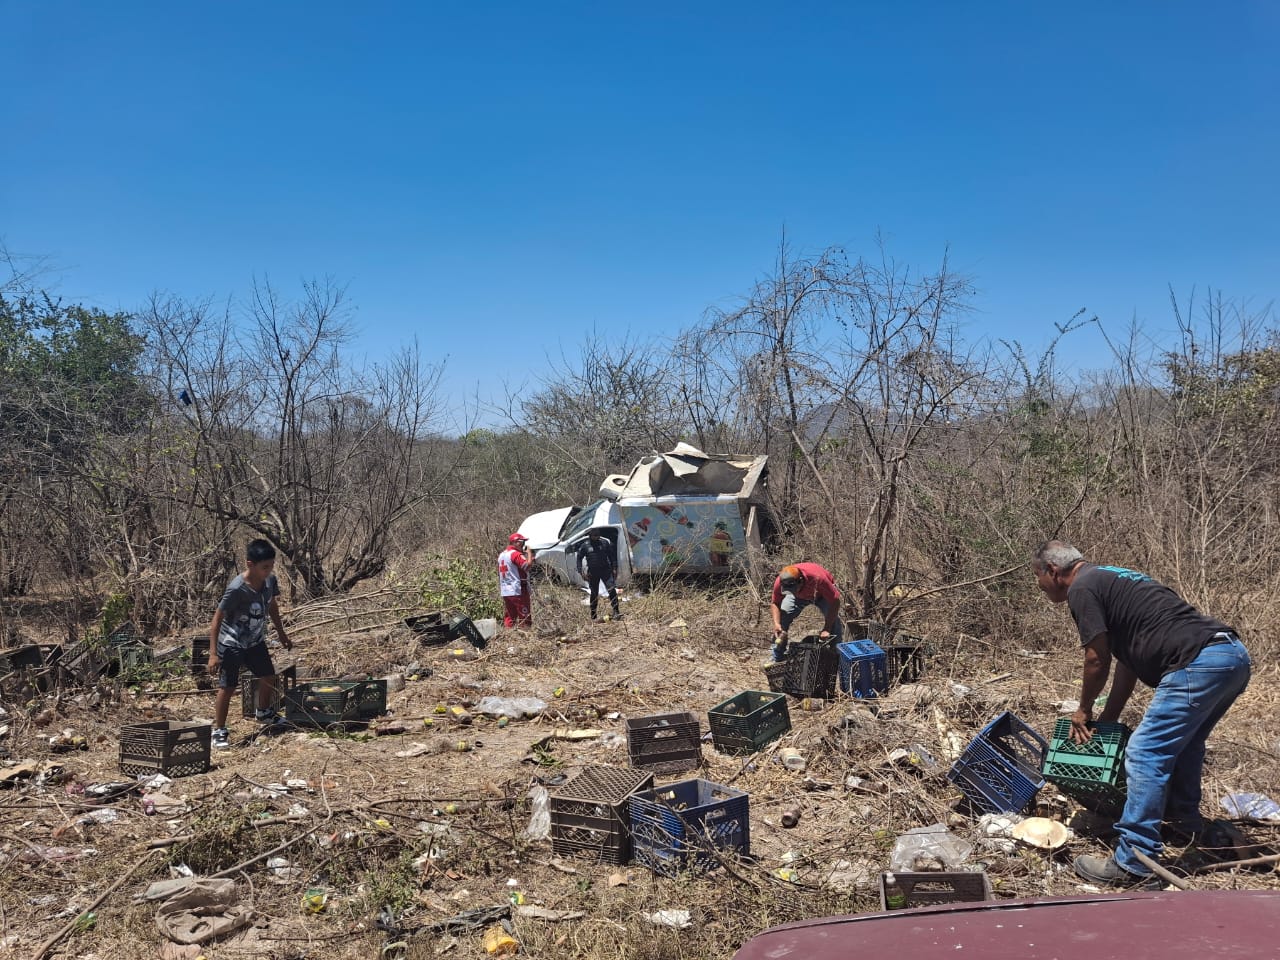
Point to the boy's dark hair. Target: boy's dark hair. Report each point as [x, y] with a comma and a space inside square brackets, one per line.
[259, 550]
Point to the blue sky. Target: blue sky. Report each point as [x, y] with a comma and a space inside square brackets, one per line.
[499, 179]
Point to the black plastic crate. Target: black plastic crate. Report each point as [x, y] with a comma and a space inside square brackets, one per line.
[200, 654]
[589, 813]
[748, 721]
[665, 742]
[926, 889]
[125, 634]
[371, 698]
[321, 702]
[904, 659]
[286, 679]
[809, 669]
[166, 746]
[683, 826]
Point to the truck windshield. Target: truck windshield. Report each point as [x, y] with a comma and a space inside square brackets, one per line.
[582, 521]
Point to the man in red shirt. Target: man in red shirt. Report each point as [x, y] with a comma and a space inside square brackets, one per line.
[513, 582]
[796, 587]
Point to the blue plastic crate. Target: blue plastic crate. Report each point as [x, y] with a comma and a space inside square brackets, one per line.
[864, 669]
[680, 826]
[999, 772]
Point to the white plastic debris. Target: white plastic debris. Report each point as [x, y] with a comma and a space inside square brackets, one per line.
[679, 919]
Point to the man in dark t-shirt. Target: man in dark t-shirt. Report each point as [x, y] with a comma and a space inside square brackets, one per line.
[598, 563]
[1198, 667]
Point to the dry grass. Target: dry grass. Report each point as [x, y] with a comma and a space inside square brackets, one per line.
[367, 809]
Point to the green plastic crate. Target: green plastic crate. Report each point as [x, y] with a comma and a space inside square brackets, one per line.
[748, 721]
[1093, 770]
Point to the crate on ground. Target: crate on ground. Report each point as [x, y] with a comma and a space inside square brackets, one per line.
[286, 679]
[863, 668]
[85, 660]
[200, 654]
[165, 746]
[665, 742]
[684, 826]
[125, 634]
[589, 813]
[904, 659]
[809, 669]
[321, 702]
[748, 721]
[133, 657]
[1093, 770]
[929, 888]
[29, 656]
[999, 771]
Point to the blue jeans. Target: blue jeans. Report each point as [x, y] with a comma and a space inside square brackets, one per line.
[1165, 755]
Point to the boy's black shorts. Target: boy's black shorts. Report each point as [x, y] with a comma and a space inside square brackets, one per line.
[256, 660]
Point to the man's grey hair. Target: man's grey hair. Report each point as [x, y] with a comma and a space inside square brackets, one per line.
[1061, 554]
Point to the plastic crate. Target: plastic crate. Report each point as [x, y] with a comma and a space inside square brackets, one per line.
[999, 772]
[748, 721]
[863, 668]
[321, 702]
[286, 679]
[589, 813]
[125, 634]
[85, 661]
[665, 742]
[681, 825]
[371, 698]
[927, 889]
[28, 657]
[166, 746]
[809, 669]
[1093, 770]
[904, 659]
[200, 655]
[132, 657]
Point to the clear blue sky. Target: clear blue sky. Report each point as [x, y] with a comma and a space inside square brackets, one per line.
[500, 178]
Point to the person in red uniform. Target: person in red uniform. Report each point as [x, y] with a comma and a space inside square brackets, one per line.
[797, 586]
[513, 582]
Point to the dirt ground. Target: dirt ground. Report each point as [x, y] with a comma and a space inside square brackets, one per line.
[402, 835]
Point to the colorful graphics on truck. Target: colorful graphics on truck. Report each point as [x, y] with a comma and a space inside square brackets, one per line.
[685, 533]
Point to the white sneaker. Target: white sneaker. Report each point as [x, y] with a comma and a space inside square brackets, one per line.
[221, 738]
[268, 716]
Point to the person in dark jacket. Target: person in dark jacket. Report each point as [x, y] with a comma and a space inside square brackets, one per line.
[1197, 667]
[598, 563]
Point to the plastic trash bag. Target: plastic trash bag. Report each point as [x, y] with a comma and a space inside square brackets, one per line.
[1252, 806]
[929, 848]
[514, 708]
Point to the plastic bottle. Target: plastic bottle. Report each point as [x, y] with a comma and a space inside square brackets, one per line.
[790, 817]
[792, 758]
[813, 704]
[895, 898]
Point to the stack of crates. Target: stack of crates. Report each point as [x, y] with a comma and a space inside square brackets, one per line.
[999, 772]
[748, 721]
[665, 743]
[1090, 772]
[166, 746]
[682, 826]
[809, 669]
[864, 670]
[589, 813]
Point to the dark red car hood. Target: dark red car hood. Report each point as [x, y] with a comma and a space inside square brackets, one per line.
[1166, 925]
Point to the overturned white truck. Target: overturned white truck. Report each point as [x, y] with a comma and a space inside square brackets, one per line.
[684, 510]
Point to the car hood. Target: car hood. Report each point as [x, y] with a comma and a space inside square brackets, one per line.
[1166, 925]
[543, 529]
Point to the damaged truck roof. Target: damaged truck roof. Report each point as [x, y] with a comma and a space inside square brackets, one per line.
[687, 471]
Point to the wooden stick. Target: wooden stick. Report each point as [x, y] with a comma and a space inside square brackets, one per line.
[1160, 871]
[262, 856]
[1232, 864]
[49, 944]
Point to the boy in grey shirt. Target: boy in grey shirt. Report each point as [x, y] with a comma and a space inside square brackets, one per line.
[238, 636]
